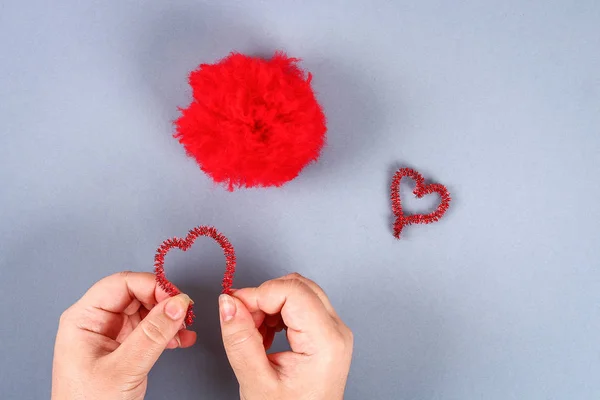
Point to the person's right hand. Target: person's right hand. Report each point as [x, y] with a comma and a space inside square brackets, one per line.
[318, 365]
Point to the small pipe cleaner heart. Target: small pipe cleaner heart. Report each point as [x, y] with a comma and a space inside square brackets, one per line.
[184, 245]
[421, 189]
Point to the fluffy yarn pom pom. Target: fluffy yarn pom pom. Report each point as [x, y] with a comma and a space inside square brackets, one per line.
[252, 122]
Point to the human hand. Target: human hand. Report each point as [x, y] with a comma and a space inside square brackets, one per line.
[109, 339]
[316, 368]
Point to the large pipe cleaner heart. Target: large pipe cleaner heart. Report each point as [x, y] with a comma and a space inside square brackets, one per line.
[421, 189]
[185, 244]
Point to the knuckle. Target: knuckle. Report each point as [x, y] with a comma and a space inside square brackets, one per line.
[154, 331]
[350, 336]
[266, 285]
[64, 317]
[294, 275]
[349, 343]
[296, 283]
[346, 333]
[71, 316]
[124, 274]
[342, 342]
[89, 319]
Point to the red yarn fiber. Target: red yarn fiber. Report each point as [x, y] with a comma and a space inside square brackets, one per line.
[185, 244]
[420, 190]
[252, 122]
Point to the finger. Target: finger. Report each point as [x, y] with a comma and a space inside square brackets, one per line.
[101, 309]
[315, 288]
[133, 308]
[243, 344]
[258, 317]
[133, 322]
[151, 337]
[116, 292]
[187, 338]
[173, 343]
[183, 339]
[310, 326]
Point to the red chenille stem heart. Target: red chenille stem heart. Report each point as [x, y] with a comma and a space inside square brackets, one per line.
[420, 190]
[184, 245]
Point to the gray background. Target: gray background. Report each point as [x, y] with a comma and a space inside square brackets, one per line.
[499, 100]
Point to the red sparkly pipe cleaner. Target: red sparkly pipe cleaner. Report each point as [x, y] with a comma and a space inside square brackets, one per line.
[420, 190]
[185, 244]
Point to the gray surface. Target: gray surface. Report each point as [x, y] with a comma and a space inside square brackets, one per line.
[497, 100]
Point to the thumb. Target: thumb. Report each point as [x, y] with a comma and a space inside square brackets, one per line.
[150, 338]
[243, 344]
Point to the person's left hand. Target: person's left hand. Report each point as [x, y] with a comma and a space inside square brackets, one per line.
[109, 340]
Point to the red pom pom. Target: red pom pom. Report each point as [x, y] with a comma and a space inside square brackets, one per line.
[252, 122]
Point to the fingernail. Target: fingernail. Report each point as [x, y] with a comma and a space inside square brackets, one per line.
[226, 307]
[178, 340]
[177, 306]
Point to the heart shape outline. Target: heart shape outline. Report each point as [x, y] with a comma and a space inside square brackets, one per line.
[184, 245]
[421, 189]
